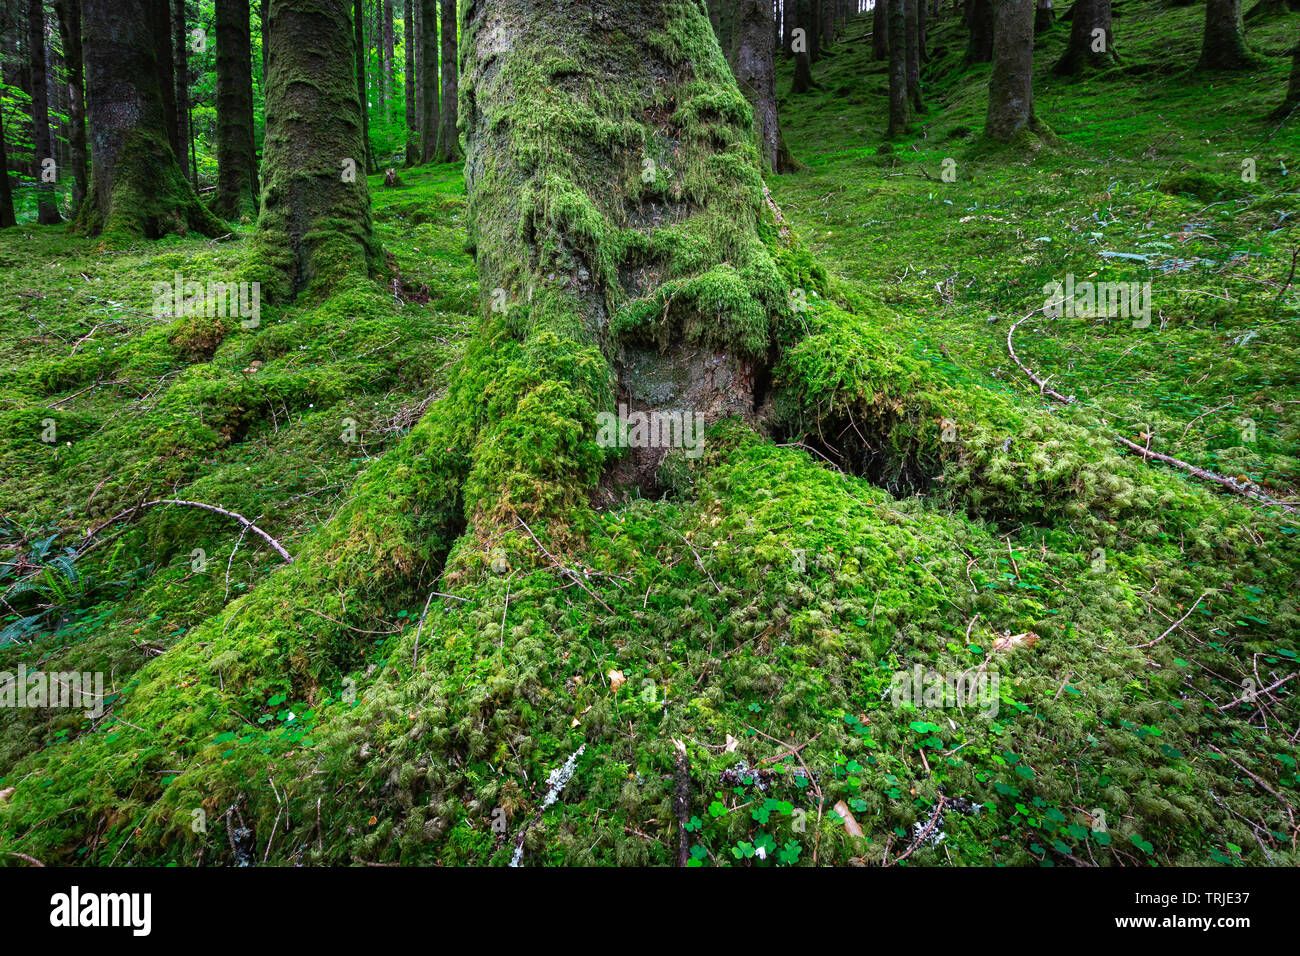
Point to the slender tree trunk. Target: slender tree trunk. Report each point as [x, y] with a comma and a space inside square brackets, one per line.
[1292, 100]
[137, 186]
[417, 9]
[751, 62]
[429, 80]
[912, 41]
[1090, 45]
[1043, 16]
[412, 117]
[160, 21]
[390, 67]
[47, 209]
[827, 20]
[6, 192]
[787, 25]
[899, 114]
[547, 197]
[359, 44]
[315, 225]
[448, 135]
[979, 18]
[181, 60]
[236, 153]
[1011, 90]
[722, 15]
[880, 30]
[69, 14]
[1223, 45]
[801, 46]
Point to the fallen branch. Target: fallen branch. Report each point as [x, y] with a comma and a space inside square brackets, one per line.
[248, 525]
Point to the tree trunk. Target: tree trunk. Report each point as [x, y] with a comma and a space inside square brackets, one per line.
[390, 67]
[160, 23]
[1011, 89]
[315, 223]
[363, 95]
[1292, 100]
[236, 153]
[751, 62]
[1088, 48]
[912, 42]
[1043, 16]
[979, 19]
[827, 21]
[137, 187]
[880, 30]
[47, 207]
[1223, 45]
[448, 135]
[69, 14]
[801, 46]
[6, 192]
[581, 238]
[722, 15]
[416, 8]
[181, 60]
[429, 80]
[899, 113]
[409, 40]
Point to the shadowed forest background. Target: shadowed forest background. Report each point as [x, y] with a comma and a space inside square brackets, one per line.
[313, 315]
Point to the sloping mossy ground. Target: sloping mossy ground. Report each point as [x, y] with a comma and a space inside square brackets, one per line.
[767, 597]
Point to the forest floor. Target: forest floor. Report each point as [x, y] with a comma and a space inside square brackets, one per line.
[1140, 627]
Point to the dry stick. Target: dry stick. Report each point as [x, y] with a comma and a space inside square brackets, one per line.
[1229, 483]
[415, 656]
[1173, 626]
[279, 548]
[1250, 697]
[577, 579]
[1290, 277]
[920, 837]
[1252, 776]
[23, 856]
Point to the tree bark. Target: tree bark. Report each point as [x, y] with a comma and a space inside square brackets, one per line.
[579, 236]
[363, 95]
[899, 113]
[912, 40]
[429, 80]
[1044, 15]
[880, 30]
[751, 62]
[69, 14]
[389, 70]
[315, 225]
[1086, 48]
[236, 154]
[409, 40]
[1223, 44]
[1292, 100]
[47, 208]
[1011, 89]
[160, 22]
[979, 19]
[137, 187]
[448, 134]
[6, 192]
[801, 42]
[181, 61]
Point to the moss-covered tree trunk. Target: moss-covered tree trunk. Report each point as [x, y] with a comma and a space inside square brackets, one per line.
[236, 152]
[1091, 45]
[899, 111]
[448, 134]
[615, 195]
[69, 14]
[137, 187]
[880, 31]
[160, 22]
[1011, 85]
[315, 223]
[752, 64]
[1292, 100]
[47, 211]
[1223, 44]
[912, 40]
[429, 121]
[412, 118]
[979, 20]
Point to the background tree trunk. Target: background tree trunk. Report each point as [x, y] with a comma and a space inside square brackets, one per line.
[1044, 15]
[160, 22]
[180, 57]
[751, 62]
[6, 193]
[236, 153]
[979, 18]
[315, 224]
[899, 114]
[1223, 45]
[1086, 17]
[912, 40]
[409, 41]
[137, 187]
[880, 30]
[1011, 85]
[801, 47]
[47, 208]
[1292, 100]
[429, 80]
[448, 135]
[69, 14]
[386, 75]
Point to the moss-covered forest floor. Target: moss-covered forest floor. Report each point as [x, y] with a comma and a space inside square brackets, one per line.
[1142, 626]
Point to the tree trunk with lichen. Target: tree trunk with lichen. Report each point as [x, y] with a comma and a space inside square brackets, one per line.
[137, 187]
[448, 135]
[1091, 46]
[47, 212]
[1223, 44]
[751, 62]
[315, 226]
[1011, 85]
[236, 152]
[614, 195]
